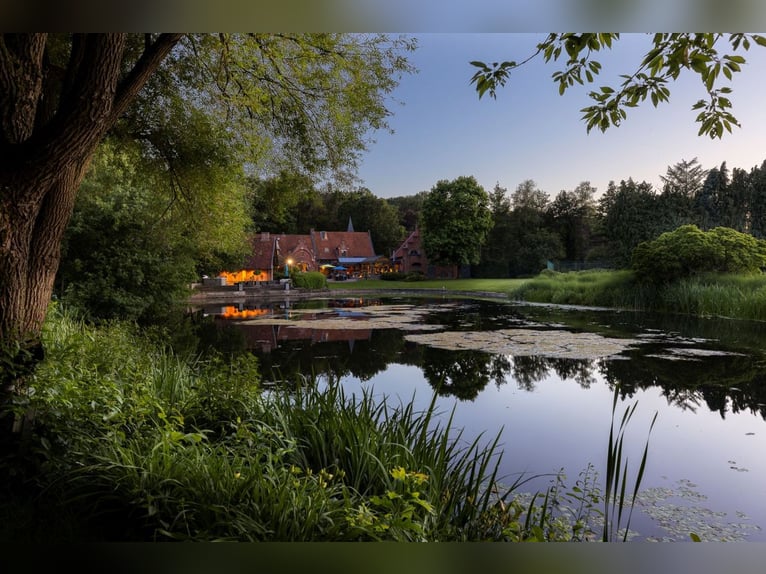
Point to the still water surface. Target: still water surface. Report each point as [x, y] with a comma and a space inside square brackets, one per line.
[544, 377]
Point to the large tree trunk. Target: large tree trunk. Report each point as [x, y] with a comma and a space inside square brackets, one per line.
[51, 122]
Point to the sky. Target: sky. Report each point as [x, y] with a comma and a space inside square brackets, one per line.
[443, 130]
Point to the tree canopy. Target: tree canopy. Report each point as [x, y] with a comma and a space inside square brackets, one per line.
[455, 221]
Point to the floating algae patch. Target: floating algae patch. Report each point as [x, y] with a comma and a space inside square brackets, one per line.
[686, 516]
[687, 354]
[528, 342]
[404, 317]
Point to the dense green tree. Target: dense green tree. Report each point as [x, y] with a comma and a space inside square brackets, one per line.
[287, 99]
[684, 178]
[135, 242]
[532, 242]
[689, 251]
[734, 202]
[628, 215]
[370, 213]
[455, 221]
[707, 203]
[495, 252]
[572, 215]
[713, 57]
[409, 208]
[277, 202]
[758, 201]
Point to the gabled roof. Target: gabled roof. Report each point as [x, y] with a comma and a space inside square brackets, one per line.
[404, 248]
[335, 244]
[291, 243]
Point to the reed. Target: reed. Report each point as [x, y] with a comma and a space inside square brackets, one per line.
[733, 296]
[616, 488]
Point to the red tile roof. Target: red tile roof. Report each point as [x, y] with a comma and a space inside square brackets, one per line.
[330, 245]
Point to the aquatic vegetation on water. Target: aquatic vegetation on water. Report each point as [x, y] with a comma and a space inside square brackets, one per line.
[528, 342]
[680, 513]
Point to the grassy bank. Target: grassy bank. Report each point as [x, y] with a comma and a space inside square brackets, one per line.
[134, 443]
[732, 296]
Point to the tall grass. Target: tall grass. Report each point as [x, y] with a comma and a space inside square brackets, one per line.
[592, 288]
[733, 296]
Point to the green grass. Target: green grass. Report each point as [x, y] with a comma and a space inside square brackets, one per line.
[473, 285]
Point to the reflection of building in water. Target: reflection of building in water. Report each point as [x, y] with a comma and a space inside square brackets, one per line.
[266, 338]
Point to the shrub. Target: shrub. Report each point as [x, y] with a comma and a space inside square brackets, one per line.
[689, 251]
[310, 280]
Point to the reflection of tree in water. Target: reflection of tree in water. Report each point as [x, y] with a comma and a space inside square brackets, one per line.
[462, 374]
[729, 383]
[362, 359]
[528, 370]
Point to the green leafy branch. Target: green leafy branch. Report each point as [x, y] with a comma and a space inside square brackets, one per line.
[669, 55]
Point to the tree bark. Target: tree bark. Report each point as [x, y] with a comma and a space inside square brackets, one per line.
[48, 133]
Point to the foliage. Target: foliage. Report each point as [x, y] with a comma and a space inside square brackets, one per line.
[194, 105]
[689, 251]
[572, 214]
[455, 221]
[309, 280]
[628, 216]
[667, 57]
[282, 202]
[133, 247]
[684, 179]
[409, 208]
[300, 101]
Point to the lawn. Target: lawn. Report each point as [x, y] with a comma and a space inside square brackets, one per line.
[476, 285]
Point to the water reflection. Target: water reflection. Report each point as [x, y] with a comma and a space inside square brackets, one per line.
[718, 364]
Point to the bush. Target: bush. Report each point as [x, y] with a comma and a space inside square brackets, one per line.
[310, 280]
[689, 251]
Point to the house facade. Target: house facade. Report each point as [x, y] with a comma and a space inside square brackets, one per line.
[335, 253]
[411, 258]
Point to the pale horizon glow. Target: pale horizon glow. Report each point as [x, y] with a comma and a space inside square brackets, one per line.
[442, 130]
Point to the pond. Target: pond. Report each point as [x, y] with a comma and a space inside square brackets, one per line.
[545, 376]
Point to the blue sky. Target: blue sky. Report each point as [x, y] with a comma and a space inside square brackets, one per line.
[442, 130]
